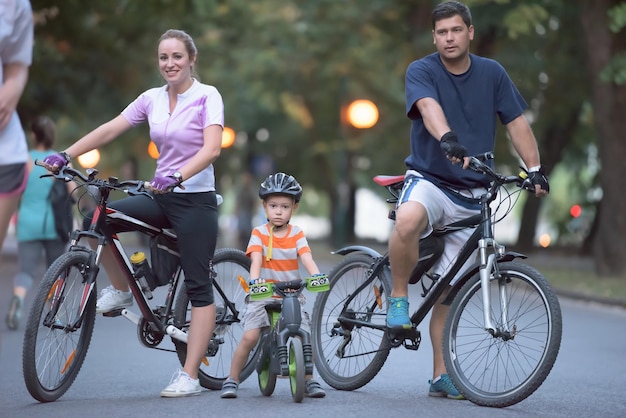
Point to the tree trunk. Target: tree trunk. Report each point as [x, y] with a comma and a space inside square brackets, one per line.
[556, 138]
[609, 105]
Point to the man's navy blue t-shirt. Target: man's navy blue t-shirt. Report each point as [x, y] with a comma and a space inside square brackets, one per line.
[471, 103]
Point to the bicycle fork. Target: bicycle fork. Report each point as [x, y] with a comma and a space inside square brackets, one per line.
[488, 266]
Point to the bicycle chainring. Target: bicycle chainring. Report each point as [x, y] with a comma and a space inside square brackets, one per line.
[148, 336]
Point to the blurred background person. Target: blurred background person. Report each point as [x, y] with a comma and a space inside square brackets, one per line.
[16, 51]
[37, 236]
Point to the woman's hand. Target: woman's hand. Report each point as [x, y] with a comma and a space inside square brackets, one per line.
[54, 162]
[163, 184]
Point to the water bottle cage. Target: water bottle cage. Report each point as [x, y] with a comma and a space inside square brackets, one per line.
[434, 278]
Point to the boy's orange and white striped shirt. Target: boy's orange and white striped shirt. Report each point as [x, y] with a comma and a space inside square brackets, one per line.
[280, 255]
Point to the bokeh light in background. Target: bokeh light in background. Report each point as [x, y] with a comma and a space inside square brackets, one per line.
[575, 211]
[153, 152]
[362, 114]
[545, 240]
[89, 159]
[228, 137]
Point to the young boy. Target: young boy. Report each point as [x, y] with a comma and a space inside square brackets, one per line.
[274, 248]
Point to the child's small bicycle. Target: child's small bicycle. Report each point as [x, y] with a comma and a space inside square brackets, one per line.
[285, 348]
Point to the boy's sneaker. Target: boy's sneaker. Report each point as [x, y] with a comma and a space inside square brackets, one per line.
[181, 385]
[111, 299]
[443, 387]
[15, 312]
[313, 389]
[229, 388]
[398, 313]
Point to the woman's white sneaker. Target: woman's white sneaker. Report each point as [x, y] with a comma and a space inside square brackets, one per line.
[111, 299]
[181, 385]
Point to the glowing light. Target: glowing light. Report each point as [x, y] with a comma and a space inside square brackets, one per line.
[545, 240]
[89, 159]
[153, 152]
[228, 137]
[362, 114]
[575, 211]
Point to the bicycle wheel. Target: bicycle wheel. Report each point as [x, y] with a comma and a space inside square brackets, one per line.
[59, 328]
[502, 370]
[348, 356]
[267, 378]
[229, 264]
[296, 369]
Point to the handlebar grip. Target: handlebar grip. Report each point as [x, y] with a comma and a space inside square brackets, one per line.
[486, 156]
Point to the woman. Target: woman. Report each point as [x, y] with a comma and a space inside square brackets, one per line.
[186, 119]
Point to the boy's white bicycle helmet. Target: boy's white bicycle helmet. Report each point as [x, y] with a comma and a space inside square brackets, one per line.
[281, 183]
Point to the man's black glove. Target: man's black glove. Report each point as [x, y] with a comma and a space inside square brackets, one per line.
[539, 177]
[451, 147]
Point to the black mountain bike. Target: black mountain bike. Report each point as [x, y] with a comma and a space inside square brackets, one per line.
[61, 320]
[503, 331]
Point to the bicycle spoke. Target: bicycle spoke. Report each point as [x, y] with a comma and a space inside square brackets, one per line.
[348, 351]
[502, 369]
[57, 337]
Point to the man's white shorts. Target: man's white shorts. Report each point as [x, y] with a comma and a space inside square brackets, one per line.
[442, 210]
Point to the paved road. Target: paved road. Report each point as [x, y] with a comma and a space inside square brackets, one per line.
[122, 378]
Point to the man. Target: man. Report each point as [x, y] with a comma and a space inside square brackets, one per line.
[453, 100]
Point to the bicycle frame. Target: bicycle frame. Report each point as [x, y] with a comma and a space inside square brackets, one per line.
[107, 237]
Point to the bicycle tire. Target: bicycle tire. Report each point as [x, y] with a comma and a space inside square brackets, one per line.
[266, 378]
[229, 263]
[53, 353]
[365, 350]
[296, 369]
[502, 371]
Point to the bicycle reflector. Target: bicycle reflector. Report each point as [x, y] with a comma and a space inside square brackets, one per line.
[243, 284]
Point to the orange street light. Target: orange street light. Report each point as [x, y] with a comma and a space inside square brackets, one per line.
[228, 137]
[362, 114]
[89, 159]
[153, 152]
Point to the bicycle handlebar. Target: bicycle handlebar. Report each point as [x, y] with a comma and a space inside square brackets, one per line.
[478, 164]
[68, 173]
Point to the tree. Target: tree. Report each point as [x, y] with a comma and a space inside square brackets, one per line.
[605, 46]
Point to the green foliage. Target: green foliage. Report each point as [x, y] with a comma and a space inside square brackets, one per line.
[617, 17]
[524, 19]
[615, 72]
[290, 66]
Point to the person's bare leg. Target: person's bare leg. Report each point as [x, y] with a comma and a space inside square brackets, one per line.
[200, 331]
[437, 322]
[247, 343]
[113, 270]
[8, 206]
[411, 220]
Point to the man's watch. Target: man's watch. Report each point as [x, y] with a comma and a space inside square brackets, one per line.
[66, 156]
[178, 176]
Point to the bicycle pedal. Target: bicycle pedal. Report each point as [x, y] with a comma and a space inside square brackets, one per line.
[113, 313]
[410, 338]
